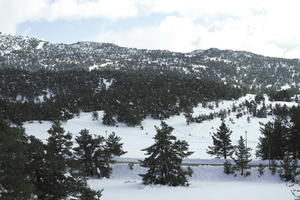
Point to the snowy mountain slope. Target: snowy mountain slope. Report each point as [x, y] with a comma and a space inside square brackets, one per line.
[198, 135]
[237, 67]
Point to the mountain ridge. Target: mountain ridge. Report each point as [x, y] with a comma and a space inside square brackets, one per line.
[236, 67]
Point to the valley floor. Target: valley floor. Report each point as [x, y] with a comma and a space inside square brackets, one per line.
[207, 183]
[198, 135]
[204, 190]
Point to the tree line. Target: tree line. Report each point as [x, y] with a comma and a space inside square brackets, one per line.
[125, 96]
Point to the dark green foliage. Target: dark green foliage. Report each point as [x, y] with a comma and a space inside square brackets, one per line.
[32, 170]
[188, 117]
[95, 154]
[104, 155]
[130, 165]
[85, 151]
[288, 171]
[164, 159]
[114, 145]
[273, 167]
[52, 183]
[259, 98]
[53, 175]
[228, 168]
[280, 136]
[132, 95]
[222, 146]
[271, 145]
[282, 95]
[261, 170]
[242, 156]
[108, 118]
[262, 112]
[14, 176]
[95, 116]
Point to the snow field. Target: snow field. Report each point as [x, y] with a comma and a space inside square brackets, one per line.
[198, 135]
[207, 183]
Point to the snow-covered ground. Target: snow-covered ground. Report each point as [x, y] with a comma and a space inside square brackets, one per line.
[198, 135]
[207, 183]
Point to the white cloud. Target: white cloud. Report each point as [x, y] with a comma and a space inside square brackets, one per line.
[263, 26]
[13, 12]
[112, 9]
[173, 33]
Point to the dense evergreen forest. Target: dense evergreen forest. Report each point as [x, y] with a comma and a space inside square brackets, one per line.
[125, 96]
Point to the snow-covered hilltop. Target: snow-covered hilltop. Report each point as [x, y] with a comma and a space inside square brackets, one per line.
[237, 67]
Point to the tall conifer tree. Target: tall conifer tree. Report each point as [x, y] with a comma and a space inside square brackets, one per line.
[222, 146]
[165, 158]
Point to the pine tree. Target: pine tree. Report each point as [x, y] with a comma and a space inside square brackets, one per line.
[37, 165]
[85, 151]
[188, 117]
[95, 154]
[261, 170]
[108, 119]
[222, 146]
[227, 167]
[273, 167]
[165, 158]
[14, 177]
[103, 157]
[95, 116]
[114, 145]
[289, 171]
[242, 156]
[55, 178]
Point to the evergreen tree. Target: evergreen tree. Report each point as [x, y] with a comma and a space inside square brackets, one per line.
[14, 177]
[261, 170]
[55, 178]
[227, 167]
[259, 98]
[188, 117]
[222, 146]
[103, 157]
[242, 156]
[95, 116]
[165, 158]
[108, 118]
[273, 167]
[273, 141]
[85, 151]
[289, 171]
[37, 165]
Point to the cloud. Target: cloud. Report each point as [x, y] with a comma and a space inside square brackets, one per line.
[13, 12]
[173, 33]
[263, 26]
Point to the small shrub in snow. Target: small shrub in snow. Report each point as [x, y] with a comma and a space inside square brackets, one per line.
[273, 167]
[130, 165]
[228, 168]
[261, 170]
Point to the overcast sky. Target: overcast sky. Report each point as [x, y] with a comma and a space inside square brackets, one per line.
[268, 27]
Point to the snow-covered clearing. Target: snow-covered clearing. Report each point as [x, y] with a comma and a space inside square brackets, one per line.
[207, 183]
[198, 135]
